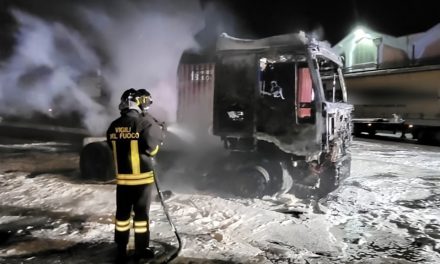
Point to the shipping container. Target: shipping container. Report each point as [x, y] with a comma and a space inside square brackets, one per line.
[195, 97]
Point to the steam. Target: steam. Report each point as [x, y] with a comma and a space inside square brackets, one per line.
[58, 69]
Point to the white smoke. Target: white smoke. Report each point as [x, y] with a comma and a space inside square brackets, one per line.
[146, 42]
[43, 72]
[142, 42]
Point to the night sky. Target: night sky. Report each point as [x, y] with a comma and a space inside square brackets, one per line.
[334, 19]
[330, 20]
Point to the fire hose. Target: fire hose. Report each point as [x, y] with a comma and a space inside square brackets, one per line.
[173, 255]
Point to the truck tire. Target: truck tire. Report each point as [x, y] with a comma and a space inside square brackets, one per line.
[275, 173]
[96, 162]
[258, 177]
[249, 183]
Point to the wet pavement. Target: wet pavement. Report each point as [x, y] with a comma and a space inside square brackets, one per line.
[389, 207]
[387, 211]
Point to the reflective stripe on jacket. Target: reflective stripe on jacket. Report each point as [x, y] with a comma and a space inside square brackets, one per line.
[133, 138]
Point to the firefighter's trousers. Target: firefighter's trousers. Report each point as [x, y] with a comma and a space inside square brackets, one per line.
[136, 198]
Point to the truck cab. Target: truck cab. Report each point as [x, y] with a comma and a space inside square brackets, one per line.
[278, 105]
[280, 108]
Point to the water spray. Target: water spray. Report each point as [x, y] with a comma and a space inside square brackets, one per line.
[183, 134]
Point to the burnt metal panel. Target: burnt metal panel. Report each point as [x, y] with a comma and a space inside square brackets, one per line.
[236, 90]
[293, 41]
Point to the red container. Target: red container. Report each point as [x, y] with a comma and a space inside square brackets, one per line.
[195, 96]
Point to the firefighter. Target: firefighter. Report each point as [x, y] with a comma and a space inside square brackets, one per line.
[134, 138]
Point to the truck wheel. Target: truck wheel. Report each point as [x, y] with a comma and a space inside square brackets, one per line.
[96, 162]
[250, 183]
[275, 173]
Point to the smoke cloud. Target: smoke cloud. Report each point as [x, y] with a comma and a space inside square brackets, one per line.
[60, 68]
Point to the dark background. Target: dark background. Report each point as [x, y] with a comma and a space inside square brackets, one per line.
[336, 18]
[329, 20]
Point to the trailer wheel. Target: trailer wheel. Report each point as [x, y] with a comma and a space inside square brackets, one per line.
[96, 162]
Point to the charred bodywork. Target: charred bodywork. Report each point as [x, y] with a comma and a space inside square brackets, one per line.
[280, 107]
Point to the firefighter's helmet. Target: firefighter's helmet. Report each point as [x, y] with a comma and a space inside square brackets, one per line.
[143, 99]
[127, 97]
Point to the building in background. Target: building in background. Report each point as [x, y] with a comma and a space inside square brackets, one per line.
[394, 82]
[365, 49]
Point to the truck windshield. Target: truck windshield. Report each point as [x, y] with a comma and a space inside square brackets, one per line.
[331, 82]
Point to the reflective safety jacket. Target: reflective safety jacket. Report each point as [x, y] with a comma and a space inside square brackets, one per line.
[134, 138]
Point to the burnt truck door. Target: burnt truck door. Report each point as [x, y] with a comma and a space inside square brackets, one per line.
[286, 113]
[236, 89]
[275, 110]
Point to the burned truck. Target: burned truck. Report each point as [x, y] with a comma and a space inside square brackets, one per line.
[280, 108]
